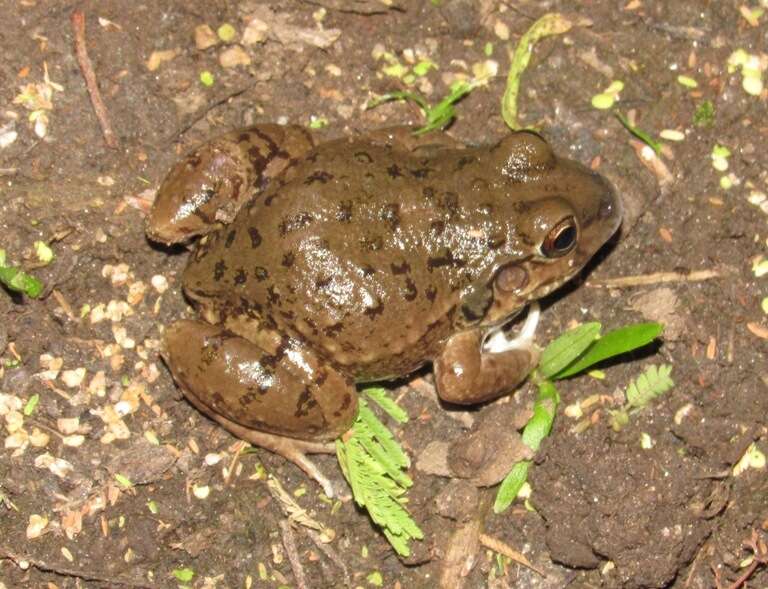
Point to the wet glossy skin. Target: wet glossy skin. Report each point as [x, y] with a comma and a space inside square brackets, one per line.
[362, 259]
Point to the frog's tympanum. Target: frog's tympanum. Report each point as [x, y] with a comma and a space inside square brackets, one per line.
[362, 259]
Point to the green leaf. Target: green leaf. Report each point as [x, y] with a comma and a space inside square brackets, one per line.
[549, 24]
[380, 397]
[654, 381]
[616, 342]
[544, 409]
[566, 348]
[19, 281]
[372, 462]
[511, 486]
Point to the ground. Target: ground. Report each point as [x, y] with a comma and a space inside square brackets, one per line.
[112, 479]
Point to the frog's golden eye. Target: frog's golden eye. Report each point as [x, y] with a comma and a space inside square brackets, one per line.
[561, 238]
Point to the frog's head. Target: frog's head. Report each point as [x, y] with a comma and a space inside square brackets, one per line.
[562, 214]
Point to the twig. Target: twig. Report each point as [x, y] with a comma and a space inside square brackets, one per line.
[505, 549]
[759, 557]
[86, 67]
[24, 560]
[289, 541]
[332, 555]
[239, 447]
[655, 278]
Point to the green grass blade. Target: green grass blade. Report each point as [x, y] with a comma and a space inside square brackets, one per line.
[544, 409]
[566, 348]
[511, 486]
[616, 342]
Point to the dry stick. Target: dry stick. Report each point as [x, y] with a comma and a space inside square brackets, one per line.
[22, 560]
[330, 553]
[289, 542]
[656, 278]
[505, 549]
[86, 67]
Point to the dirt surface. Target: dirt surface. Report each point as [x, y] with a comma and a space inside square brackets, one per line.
[605, 511]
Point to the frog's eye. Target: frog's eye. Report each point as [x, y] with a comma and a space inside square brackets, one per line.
[561, 238]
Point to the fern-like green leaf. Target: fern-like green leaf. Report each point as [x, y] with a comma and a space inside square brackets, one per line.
[654, 381]
[380, 397]
[372, 462]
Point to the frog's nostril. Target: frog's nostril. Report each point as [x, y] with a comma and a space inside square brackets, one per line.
[511, 278]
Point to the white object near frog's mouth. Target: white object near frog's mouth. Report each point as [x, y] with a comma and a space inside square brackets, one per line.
[497, 340]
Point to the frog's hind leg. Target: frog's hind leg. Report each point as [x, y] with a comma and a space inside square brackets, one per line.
[209, 186]
[272, 392]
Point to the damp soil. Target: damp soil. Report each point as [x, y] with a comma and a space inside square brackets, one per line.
[655, 503]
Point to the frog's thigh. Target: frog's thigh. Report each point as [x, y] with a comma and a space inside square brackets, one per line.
[464, 374]
[286, 391]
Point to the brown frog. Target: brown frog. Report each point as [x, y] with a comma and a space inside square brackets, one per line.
[362, 259]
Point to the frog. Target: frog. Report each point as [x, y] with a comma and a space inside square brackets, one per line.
[320, 265]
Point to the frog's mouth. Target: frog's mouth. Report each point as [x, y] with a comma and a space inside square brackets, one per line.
[497, 339]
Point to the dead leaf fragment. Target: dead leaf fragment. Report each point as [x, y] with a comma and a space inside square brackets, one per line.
[159, 57]
[36, 526]
[234, 56]
[757, 329]
[205, 37]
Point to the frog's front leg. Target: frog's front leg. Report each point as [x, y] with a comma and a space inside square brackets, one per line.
[210, 185]
[474, 367]
[274, 392]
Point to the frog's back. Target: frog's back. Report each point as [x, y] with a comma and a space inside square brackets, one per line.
[348, 249]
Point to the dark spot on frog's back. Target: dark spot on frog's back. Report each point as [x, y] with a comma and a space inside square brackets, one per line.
[431, 293]
[260, 273]
[410, 292]
[230, 239]
[240, 277]
[451, 203]
[446, 259]
[305, 403]
[376, 310]
[318, 176]
[391, 215]
[218, 270]
[294, 223]
[363, 157]
[394, 171]
[421, 173]
[255, 236]
[344, 213]
[288, 259]
[401, 268]
[464, 161]
[333, 330]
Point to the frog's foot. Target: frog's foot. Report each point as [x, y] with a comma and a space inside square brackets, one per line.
[270, 389]
[291, 449]
[474, 367]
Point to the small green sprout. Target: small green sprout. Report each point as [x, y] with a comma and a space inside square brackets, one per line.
[15, 279]
[373, 463]
[704, 116]
[639, 133]
[184, 575]
[438, 116]
[550, 24]
[123, 480]
[572, 353]
[29, 408]
[207, 79]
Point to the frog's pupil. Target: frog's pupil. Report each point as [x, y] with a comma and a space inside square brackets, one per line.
[565, 238]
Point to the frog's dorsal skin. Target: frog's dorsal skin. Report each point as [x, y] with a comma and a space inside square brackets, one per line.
[368, 257]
